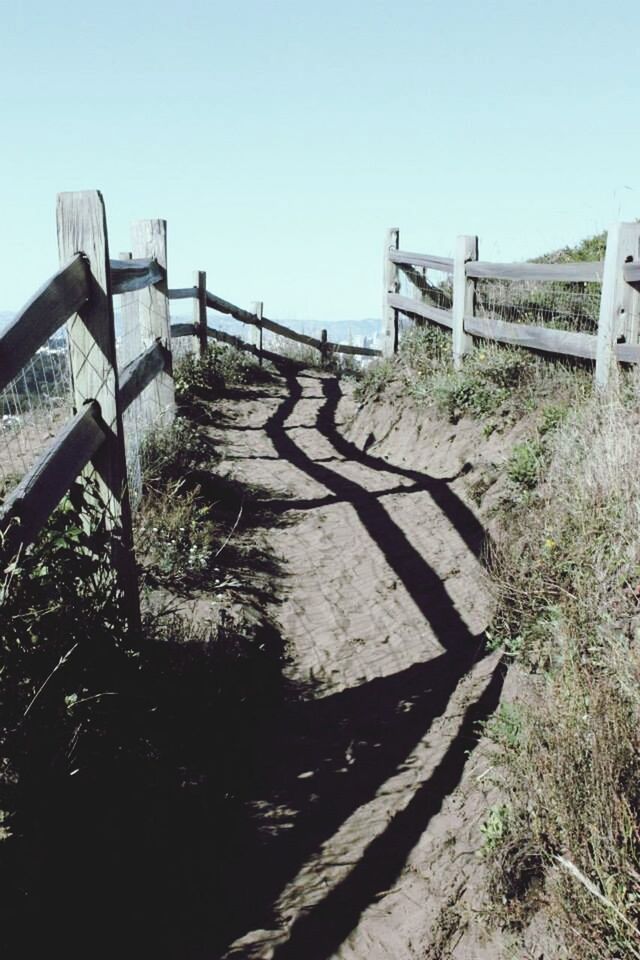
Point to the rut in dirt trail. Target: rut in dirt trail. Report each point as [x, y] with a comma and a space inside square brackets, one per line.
[383, 618]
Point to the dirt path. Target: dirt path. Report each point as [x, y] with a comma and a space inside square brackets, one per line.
[361, 797]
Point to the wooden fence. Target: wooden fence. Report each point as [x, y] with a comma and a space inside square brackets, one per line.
[81, 295]
[618, 327]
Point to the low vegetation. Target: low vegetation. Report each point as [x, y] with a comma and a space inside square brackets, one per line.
[111, 799]
[223, 367]
[493, 381]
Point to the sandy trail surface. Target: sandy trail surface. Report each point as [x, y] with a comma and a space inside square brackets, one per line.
[367, 797]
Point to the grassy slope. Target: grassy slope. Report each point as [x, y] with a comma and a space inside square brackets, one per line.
[566, 571]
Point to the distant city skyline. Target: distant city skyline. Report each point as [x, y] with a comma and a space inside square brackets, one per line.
[280, 139]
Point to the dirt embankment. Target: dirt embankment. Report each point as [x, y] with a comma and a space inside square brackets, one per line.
[377, 781]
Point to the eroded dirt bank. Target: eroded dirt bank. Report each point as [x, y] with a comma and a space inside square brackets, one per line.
[375, 779]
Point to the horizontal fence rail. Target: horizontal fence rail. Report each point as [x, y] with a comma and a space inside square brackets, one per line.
[444, 264]
[585, 272]
[130, 275]
[631, 272]
[183, 293]
[245, 316]
[30, 505]
[139, 373]
[187, 330]
[564, 342]
[417, 308]
[62, 296]
[223, 306]
[612, 318]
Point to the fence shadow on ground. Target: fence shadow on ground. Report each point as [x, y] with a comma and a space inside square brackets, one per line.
[376, 724]
[193, 815]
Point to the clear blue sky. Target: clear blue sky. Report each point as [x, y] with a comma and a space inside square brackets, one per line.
[280, 139]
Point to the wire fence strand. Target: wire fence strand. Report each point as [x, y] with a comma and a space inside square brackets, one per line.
[33, 408]
[557, 305]
[431, 287]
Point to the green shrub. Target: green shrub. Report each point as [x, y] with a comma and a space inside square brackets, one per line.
[221, 367]
[552, 416]
[424, 350]
[494, 379]
[495, 828]
[170, 453]
[489, 377]
[179, 536]
[525, 463]
[374, 379]
[505, 726]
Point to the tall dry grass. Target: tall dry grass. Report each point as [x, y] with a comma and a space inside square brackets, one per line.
[567, 576]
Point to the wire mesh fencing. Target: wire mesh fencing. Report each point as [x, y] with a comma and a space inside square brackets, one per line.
[431, 287]
[559, 305]
[554, 304]
[33, 408]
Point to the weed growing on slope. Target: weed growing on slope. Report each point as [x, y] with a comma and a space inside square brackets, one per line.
[525, 463]
[170, 454]
[375, 379]
[495, 827]
[490, 377]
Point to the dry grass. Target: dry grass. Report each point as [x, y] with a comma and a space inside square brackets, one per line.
[567, 574]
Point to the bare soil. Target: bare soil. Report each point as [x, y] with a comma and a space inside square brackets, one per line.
[376, 778]
[205, 806]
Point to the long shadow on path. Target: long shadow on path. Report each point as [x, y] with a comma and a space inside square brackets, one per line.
[336, 752]
[143, 853]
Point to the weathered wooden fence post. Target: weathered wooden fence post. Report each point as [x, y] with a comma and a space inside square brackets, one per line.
[463, 296]
[324, 355]
[130, 346]
[200, 313]
[82, 228]
[128, 349]
[617, 300]
[391, 285]
[149, 240]
[256, 332]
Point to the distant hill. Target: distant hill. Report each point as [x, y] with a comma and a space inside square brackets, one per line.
[338, 330]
